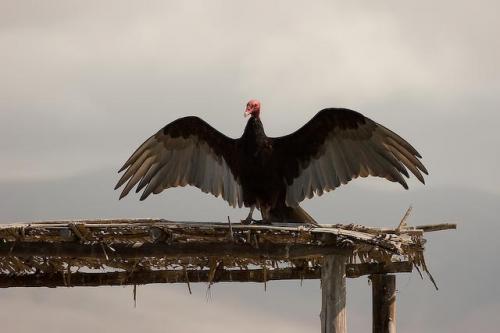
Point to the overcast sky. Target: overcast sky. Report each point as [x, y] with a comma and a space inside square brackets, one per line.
[83, 83]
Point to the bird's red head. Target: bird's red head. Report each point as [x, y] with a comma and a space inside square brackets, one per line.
[253, 108]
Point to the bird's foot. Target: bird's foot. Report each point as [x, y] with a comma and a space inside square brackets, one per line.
[262, 222]
[249, 221]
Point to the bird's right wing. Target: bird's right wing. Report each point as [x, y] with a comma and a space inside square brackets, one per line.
[337, 145]
[187, 151]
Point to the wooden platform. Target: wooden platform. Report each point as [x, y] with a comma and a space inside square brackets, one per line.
[121, 252]
[140, 251]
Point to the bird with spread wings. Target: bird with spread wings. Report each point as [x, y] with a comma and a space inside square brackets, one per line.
[271, 174]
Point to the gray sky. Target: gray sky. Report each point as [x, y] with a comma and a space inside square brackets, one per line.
[84, 82]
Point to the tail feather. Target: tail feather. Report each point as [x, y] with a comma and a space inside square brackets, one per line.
[291, 215]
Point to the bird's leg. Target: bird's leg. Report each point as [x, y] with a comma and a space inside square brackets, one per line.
[249, 218]
[266, 215]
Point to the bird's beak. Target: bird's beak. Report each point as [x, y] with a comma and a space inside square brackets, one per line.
[246, 113]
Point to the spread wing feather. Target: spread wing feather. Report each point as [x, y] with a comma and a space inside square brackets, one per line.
[338, 145]
[187, 151]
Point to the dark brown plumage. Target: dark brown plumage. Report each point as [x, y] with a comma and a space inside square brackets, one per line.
[271, 174]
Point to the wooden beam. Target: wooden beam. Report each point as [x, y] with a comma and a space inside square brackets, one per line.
[333, 289]
[384, 303]
[82, 279]
[357, 270]
[149, 222]
[436, 227]
[176, 250]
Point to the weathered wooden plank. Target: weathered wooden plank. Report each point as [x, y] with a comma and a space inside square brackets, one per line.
[357, 270]
[96, 231]
[86, 279]
[184, 224]
[60, 279]
[436, 227]
[333, 289]
[176, 250]
[384, 303]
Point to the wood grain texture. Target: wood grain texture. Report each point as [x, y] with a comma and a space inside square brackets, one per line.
[143, 276]
[384, 303]
[333, 290]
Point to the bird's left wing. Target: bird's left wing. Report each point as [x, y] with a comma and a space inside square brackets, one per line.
[187, 151]
[337, 145]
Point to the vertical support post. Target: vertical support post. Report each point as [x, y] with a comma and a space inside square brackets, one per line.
[333, 290]
[384, 303]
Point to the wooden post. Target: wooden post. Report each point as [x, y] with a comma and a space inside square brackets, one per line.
[384, 303]
[333, 287]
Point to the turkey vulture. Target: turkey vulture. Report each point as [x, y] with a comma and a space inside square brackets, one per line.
[271, 174]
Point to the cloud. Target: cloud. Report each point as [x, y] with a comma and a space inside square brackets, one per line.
[159, 308]
[84, 82]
